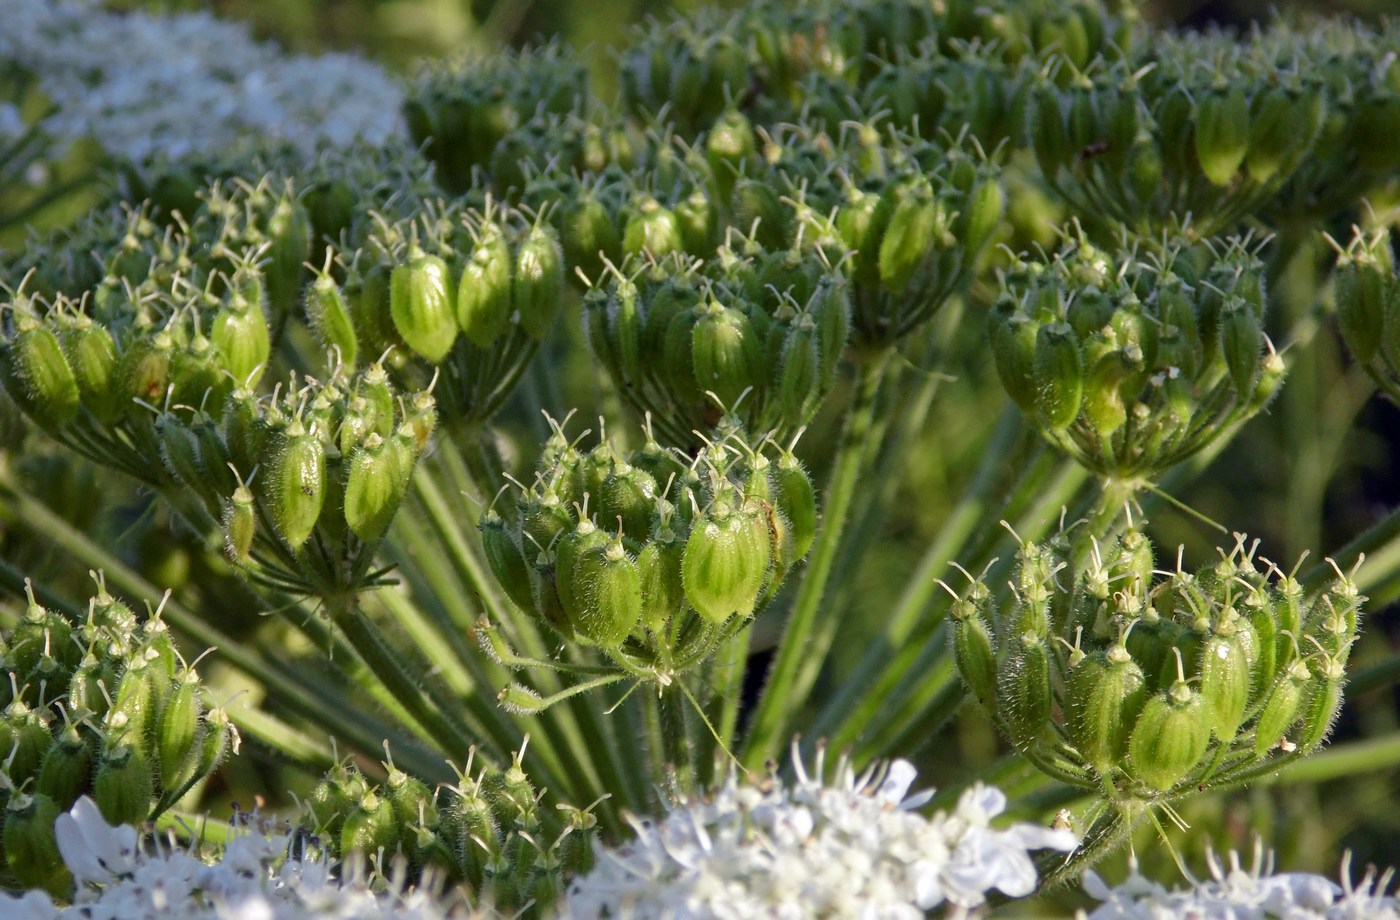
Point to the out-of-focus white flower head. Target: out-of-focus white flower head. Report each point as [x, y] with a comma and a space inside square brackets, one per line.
[149, 86]
[856, 847]
[1234, 892]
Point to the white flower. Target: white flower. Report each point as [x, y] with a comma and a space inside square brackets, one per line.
[94, 850]
[1234, 892]
[855, 848]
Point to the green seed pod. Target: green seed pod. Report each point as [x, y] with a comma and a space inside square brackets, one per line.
[862, 222]
[1023, 690]
[296, 477]
[368, 296]
[66, 769]
[1225, 677]
[628, 494]
[981, 215]
[239, 524]
[132, 718]
[797, 501]
[335, 796]
[662, 585]
[699, 224]
[1058, 372]
[31, 848]
[219, 738]
[39, 376]
[420, 302]
[178, 732]
[484, 303]
[652, 229]
[830, 307]
[910, 236]
[371, 828]
[1361, 306]
[374, 487]
[799, 371]
[93, 357]
[124, 786]
[1241, 342]
[1222, 133]
[538, 287]
[1322, 702]
[571, 548]
[728, 148]
[1281, 709]
[1274, 131]
[1013, 338]
[759, 211]
[1048, 133]
[725, 562]
[329, 318]
[589, 235]
[506, 561]
[1170, 737]
[1106, 693]
[241, 338]
[972, 651]
[725, 353]
[607, 593]
[143, 372]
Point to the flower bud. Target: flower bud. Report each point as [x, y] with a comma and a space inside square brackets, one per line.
[484, 302]
[1222, 133]
[726, 560]
[329, 318]
[420, 303]
[296, 477]
[538, 285]
[1106, 693]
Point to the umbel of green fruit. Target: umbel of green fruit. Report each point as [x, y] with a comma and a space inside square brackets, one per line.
[1149, 686]
[650, 555]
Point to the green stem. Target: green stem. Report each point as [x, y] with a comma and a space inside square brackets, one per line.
[1105, 835]
[675, 738]
[782, 696]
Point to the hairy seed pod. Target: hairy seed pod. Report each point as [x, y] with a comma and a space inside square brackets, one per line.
[589, 234]
[652, 229]
[1170, 738]
[506, 561]
[728, 147]
[830, 307]
[725, 352]
[1222, 133]
[484, 302]
[570, 549]
[240, 337]
[662, 585]
[1322, 701]
[31, 847]
[759, 211]
[1361, 306]
[123, 786]
[178, 732]
[538, 286]
[132, 718]
[981, 215]
[420, 303]
[972, 652]
[698, 223]
[628, 494]
[1241, 343]
[239, 524]
[1224, 688]
[24, 738]
[1273, 133]
[92, 354]
[607, 592]
[1280, 711]
[725, 562]
[296, 476]
[1023, 690]
[799, 371]
[909, 238]
[1058, 373]
[861, 222]
[329, 318]
[39, 377]
[797, 501]
[66, 770]
[374, 487]
[370, 828]
[1105, 694]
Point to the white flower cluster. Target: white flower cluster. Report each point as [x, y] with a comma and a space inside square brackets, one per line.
[1234, 892]
[254, 879]
[854, 849]
[147, 87]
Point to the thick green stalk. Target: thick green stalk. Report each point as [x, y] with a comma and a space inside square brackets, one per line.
[675, 737]
[782, 695]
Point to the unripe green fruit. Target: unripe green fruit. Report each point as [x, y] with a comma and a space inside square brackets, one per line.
[972, 651]
[1049, 137]
[728, 146]
[369, 302]
[662, 585]
[1106, 692]
[1241, 343]
[296, 477]
[652, 229]
[830, 307]
[1169, 739]
[1013, 338]
[39, 376]
[31, 848]
[1058, 373]
[1322, 702]
[538, 286]
[725, 352]
[909, 238]
[607, 593]
[698, 223]
[1222, 133]
[1023, 690]
[628, 494]
[93, 357]
[1281, 709]
[123, 786]
[143, 372]
[725, 562]
[1274, 132]
[799, 371]
[239, 525]
[1225, 678]
[484, 303]
[132, 718]
[371, 828]
[981, 215]
[420, 302]
[241, 338]
[24, 739]
[1361, 306]
[374, 487]
[589, 235]
[506, 561]
[571, 548]
[797, 501]
[758, 210]
[178, 732]
[66, 769]
[862, 222]
[329, 317]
